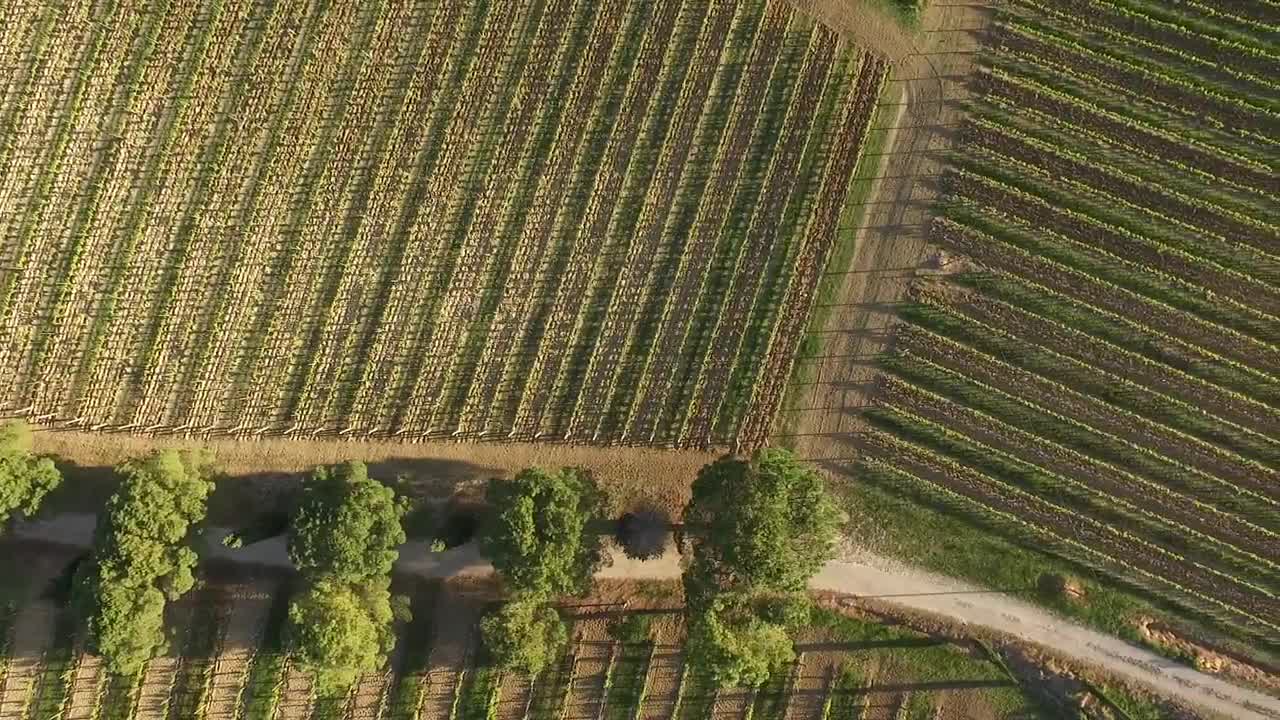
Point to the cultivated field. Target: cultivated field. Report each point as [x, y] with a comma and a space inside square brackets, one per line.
[1096, 370]
[598, 220]
[226, 664]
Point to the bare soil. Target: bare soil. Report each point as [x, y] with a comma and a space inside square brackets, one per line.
[250, 606]
[593, 651]
[161, 673]
[297, 696]
[258, 471]
[452, 650]
[811, 683]
[86, 689]
[32, 638]
[663, 682]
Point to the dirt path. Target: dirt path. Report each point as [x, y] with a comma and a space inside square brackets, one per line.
[297, 695]
[593, 651]
[251, 604]
[663, 682]
[809, 687]
[514, 697]
[928, 71]
[452, 650]
[732, 704]
[32, 637]
[86, 689]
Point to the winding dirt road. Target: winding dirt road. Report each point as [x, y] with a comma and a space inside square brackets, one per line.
[872, 577]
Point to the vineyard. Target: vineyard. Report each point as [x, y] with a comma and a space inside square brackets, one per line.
[1096, 370]
[561, 219]
[226, 664]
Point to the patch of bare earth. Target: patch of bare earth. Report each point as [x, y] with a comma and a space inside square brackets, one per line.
[732, 704]
[514, 697]
[259, 470]
[594, 651]
[665, 672]
[32, 637]
[250, 607]
[369, 696]
[457, 612]
[297, 694]
[160, 675]
[930, 69]
[811, 684]
[87, 686]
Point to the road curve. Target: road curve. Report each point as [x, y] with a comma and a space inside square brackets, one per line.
[869, 577]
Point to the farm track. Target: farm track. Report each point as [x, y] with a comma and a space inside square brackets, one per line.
[229, 217]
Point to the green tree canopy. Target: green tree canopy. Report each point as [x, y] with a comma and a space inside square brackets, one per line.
[524, 635]
[765, 524]
[738, 647]
[340, 630]
[24, 478]
[141, 556]
[536, 533]
[344, 539]
[347, 526]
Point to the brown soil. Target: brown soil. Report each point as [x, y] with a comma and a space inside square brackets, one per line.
[161, 673]
[892, 244]
[250, 606]
[663, 682]
[732, 704]
[258, 470]
[514, 697]
[297, 695]
[452, 650]
[32, 636]
[86, 689]
[1210, 660]
[810, 684]
[593, 652]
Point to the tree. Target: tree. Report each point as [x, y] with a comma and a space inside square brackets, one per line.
[340, 630]
[524, 635]
[737, 646]
[761, 525]
[536, 534]
[25, 479]
[142, 557]
[347, 526]
[344, 541]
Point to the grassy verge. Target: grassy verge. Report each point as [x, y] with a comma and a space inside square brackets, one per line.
[829, 286]
[923, 660]
[629, 673]
[890, 520]
[477, 699]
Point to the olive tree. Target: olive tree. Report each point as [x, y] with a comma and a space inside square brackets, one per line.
[25, 479]
[735, 644]
[537, 532]
[142, 555]
[344, 539]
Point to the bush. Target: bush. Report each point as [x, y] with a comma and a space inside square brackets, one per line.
[524, 635]
[25, 479]
[142, 557]
[536, 534]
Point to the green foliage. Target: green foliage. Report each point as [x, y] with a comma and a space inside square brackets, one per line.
[24, 478]
[347, 526]
[763, 525]
[339, 631]
[344, 541]
[141, 558]
[524, 635]
[735, 645]
[791, 610]
[632, 628]
[536, 535]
